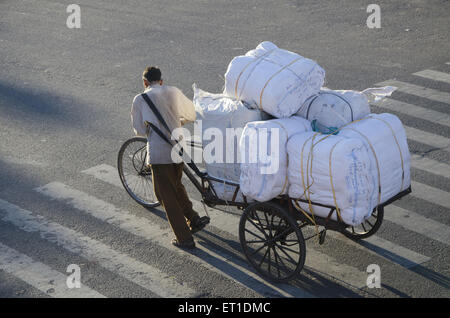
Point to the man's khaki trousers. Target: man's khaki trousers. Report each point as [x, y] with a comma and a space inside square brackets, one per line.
[173, 196]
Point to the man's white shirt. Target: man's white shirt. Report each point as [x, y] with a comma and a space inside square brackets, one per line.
[174, 107]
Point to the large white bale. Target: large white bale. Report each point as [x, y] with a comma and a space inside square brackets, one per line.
[264, 157]
[272, 79]
[385, 139]
[331, 109]
[217, 113]
[333, 171]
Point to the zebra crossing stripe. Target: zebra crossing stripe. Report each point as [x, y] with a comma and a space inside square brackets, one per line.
[41, 276]
[428, 93]
[427, 138]
[418, 223]
[315, 260]
[430, 194]
[430, 165]
[133, 270]
[143, 227]
[388, 250]
[415, 111]
[102, 210]
[434, 75]
[105, 173]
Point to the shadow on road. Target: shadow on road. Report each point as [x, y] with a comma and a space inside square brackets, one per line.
[14, 177]
[435, 277]
[414, 267]
[31, 104]
[313, 282]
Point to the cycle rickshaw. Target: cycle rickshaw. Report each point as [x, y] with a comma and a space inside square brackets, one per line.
[270, 232]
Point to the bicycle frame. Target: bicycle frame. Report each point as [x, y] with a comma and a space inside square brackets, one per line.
[206, 188]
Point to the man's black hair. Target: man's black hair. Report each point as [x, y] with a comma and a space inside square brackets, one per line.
[152, 74]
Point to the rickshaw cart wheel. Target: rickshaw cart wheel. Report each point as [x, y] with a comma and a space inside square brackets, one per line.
[368, 228]
[272, 241]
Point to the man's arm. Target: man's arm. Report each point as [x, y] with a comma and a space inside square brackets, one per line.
[139, 127]
[186, 108]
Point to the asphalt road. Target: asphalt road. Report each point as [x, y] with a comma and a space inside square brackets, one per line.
[65, 97]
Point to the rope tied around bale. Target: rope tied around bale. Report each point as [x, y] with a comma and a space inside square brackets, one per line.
[257, 59]
[275, 74]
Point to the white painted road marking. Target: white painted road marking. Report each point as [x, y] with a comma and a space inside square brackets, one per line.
[428, 93]
[228, 223]
[430, 165]
[314, 259]
[142, 227]
[106, 173]
[133, 270]
[40, 276]
[388, 250]
[430, 194]
[427, 138]
[418, 223]
[415, 111]
[434, 75]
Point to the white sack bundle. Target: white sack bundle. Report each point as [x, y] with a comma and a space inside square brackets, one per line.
[385, 139]
[331, 109]
[216, 114]
[333, 171]
[264, 156]
[272, 79]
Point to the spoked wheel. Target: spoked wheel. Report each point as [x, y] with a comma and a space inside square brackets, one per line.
[272, 241]
[137, 180]
[368, 227]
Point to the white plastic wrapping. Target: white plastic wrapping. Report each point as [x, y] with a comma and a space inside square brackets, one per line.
[272, 79]
[331, 170]
[264, 157]
[376, 94]
[331, 109]
[385, 139]
[216, 111]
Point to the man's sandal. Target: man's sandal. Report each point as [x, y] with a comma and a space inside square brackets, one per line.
[198, 224]
[184, 245]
